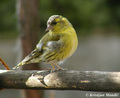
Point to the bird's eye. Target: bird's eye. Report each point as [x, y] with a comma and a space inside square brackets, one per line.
[53, 23]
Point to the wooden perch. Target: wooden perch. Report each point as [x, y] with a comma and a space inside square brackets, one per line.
[60, 80]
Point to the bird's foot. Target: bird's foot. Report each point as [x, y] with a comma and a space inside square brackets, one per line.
[59, 69]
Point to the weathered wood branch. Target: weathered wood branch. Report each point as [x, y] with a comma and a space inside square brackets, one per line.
[60, 80]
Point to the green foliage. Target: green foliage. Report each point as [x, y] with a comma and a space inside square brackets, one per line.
[7, 16]
[85, 15]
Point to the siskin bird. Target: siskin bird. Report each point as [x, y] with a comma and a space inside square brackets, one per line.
[56, 46]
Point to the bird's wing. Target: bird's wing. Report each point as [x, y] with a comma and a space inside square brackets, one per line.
[51, 42]
[35, 53]
[54, 45]
[46, 43]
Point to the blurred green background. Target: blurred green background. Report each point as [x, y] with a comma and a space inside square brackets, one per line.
[87, 16]
[97, 23]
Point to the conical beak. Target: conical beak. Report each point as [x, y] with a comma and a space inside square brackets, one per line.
[49, 27]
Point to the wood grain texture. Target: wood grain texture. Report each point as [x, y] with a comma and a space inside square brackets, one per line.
[61, 80]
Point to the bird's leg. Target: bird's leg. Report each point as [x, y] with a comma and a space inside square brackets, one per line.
[59, 68]
[52, 70]
[53, 66]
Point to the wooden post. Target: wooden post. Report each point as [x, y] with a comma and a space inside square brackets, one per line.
[28, 25]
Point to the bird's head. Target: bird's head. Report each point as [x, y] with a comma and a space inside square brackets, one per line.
[56, 23]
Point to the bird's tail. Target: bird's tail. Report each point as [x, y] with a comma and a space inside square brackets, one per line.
[31, 58]
[27, 60]
[18, 65]
[23, 62]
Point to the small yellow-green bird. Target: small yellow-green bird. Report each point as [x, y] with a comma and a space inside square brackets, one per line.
[56, 46]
